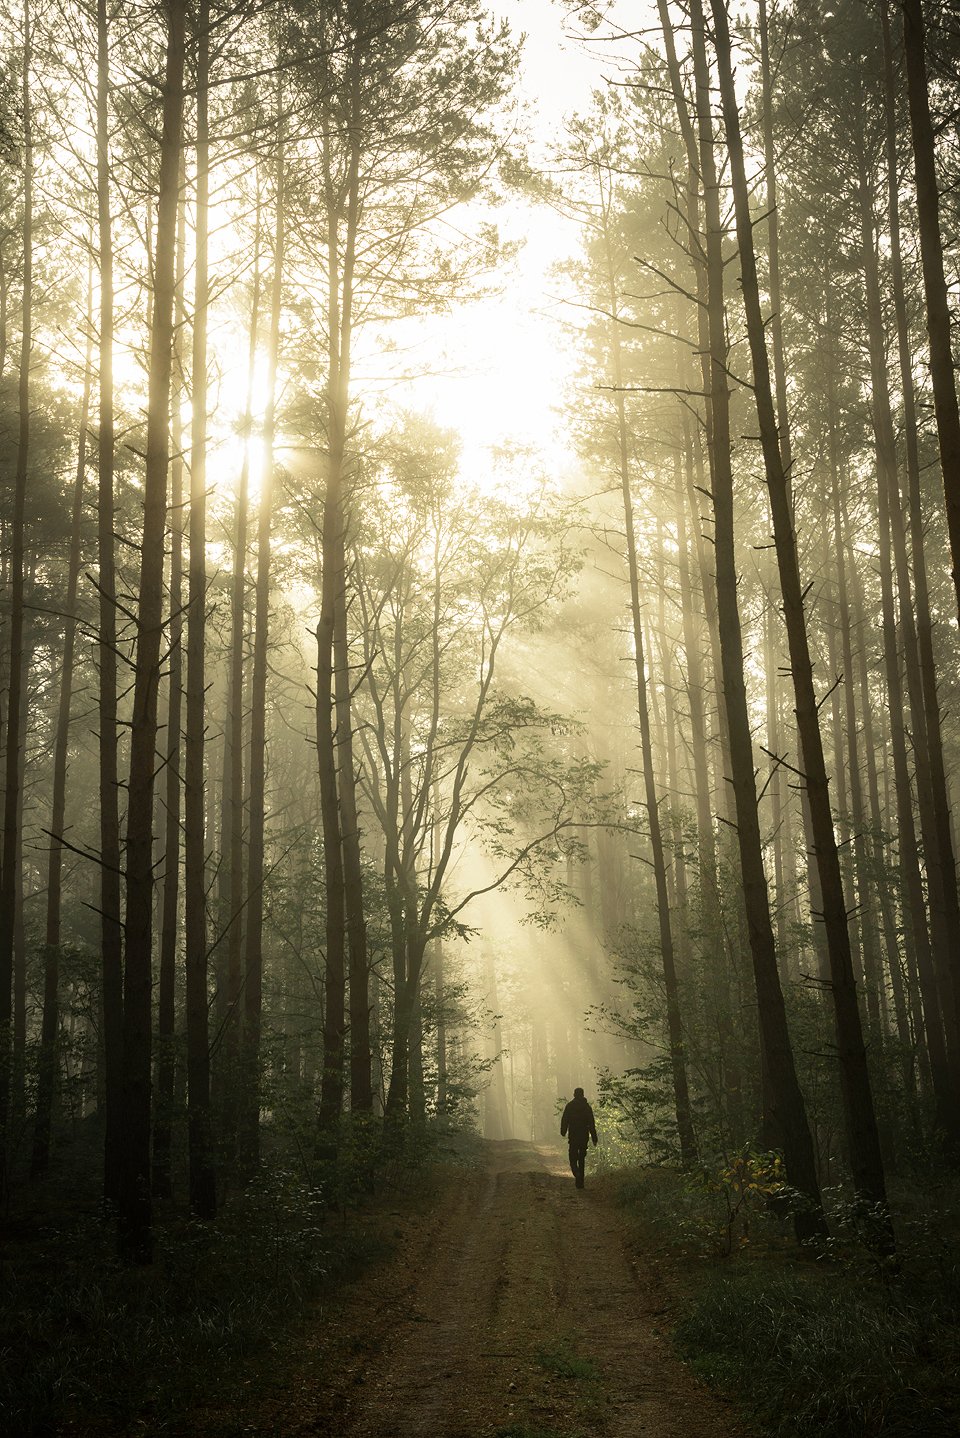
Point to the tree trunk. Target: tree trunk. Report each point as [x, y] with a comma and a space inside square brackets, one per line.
[361, 1092]
[914, 915]
[249, 1151]
[12, 847]
[48, 1062]
[934, 276]
[789, 1110]
[924, 625]
[440, 993]
[135, 1206]
[340, 207]
[861, 1125]
[396, 1104]
[202, 1178]
[173, 774]
[231, 826]
[865, 896]
[111, 927]
[678, 1063]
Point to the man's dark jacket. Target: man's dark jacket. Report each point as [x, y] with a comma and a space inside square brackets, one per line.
[577, 1123]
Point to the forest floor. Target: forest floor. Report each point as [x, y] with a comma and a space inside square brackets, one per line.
[511, 1308]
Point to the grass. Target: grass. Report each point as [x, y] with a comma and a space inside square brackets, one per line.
[839, 1345]
[813, 1352]
[564, 1364]
[522, 1430]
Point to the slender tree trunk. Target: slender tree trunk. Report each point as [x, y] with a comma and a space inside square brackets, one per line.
[934, 277]
[397, 1090]
[774, 741]
[4, 307]
[418, 1092]
[865, 895]
[331, 1078]
[253, 957]
[343, 210]
[203, 1191]
[361, 1093]
[439, 981]
[135, 1205]
[941, 817]
[18, 1095]
[173, 772]
[50, 1021]
[862, 1136]
[681, 1095]
[913, 904]
[111, 928]
[12, 854]
[942, 885]
[789, 1110]
[231, 826]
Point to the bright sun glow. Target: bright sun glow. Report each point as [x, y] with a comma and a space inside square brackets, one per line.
[500, 365]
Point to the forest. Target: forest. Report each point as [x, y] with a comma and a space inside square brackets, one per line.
[479, 604]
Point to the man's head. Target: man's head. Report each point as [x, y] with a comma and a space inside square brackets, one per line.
[578, 1093]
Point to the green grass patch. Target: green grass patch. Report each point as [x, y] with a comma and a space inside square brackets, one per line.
[523, 1430]
[562, 1363]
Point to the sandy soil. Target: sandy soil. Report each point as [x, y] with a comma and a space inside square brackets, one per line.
[512, 1308]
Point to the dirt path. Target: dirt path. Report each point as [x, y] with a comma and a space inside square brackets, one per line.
[512, 1310]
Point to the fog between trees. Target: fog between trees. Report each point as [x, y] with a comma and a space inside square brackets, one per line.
[352, 791]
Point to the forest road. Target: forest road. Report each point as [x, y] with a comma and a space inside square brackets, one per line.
[513, 1309]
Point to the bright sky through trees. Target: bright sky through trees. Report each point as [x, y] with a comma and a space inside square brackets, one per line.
[499, 364]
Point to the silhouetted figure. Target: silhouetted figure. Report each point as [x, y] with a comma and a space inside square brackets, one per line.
[577, 1126]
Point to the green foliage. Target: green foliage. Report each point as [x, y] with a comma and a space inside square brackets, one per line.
[114, 1344]
[841, 1346]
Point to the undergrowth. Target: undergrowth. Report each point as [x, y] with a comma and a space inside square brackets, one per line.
[813, 1352]
[90, 1346]
[838, 1343]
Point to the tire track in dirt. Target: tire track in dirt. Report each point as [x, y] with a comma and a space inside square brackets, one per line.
[524, 1314]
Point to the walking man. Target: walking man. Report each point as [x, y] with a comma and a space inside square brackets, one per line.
[577, 1126]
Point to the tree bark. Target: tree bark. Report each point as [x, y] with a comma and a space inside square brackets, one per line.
[231, 826]
[173, 775]
[343, 208]
[111, 927]
[202, 1178]
[135, 1204]
[945, 403]
[249, 1148]
[10, 869]
[48, 1062]
[678, 1065]
[789, 1110]
[361, 1092]
[861, 1124]
[942, 821]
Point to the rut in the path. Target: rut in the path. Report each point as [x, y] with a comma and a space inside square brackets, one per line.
[527, 1317]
